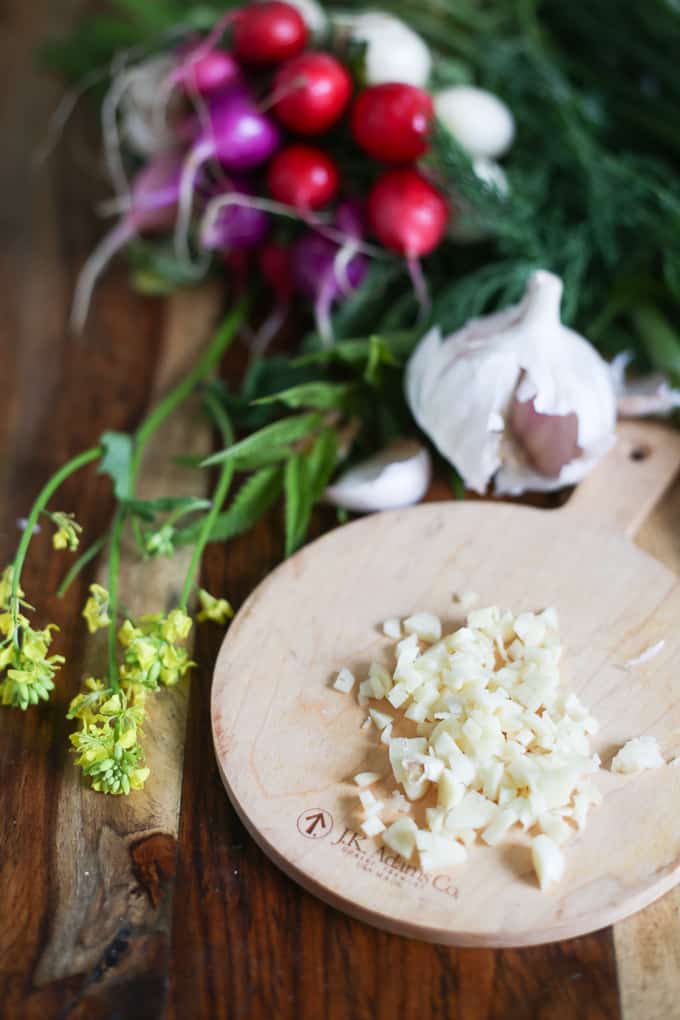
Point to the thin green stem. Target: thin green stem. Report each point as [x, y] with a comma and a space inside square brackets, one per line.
[114, 570]
[172, 400]
[41, 501]
[219, 496]
[80, 564]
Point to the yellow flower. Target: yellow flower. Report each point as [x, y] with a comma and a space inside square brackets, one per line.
[96, 611]
[67, 535]
[176, 627]
[217, 610]
[86, 705]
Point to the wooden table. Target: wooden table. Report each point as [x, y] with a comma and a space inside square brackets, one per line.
[160, 905]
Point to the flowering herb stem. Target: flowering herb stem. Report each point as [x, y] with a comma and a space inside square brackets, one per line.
[114, 570]
[221, 489]
[42, 499]
[172, 400]
[205, 364]
[80, 564]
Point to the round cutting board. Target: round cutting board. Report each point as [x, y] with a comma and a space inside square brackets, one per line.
[288, 744]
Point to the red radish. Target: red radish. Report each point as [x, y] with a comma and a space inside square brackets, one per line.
[206, 71]
[275, 265]
[268, 33]
[311, 92]
[154, 197]
[407, 213]
[303, 176]
[391, 122]
[237, 135]
[274, 262]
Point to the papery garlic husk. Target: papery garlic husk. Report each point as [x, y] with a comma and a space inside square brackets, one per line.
[516, 396]
[396, 477]
[645, 396]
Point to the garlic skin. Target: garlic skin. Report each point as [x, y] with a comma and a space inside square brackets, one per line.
[645, 396]
[396, 477]
[515, 396]
[394, 52]
[477, 119]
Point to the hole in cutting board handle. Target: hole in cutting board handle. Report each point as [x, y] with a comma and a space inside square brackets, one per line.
[641, 452]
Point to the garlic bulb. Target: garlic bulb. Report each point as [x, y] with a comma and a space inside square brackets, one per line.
[394, 52]
[515, 396]
[398, 476]
[477, 119]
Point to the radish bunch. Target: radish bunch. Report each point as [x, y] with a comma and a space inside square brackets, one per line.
[259, 117]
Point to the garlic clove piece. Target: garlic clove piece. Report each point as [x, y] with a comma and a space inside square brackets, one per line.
[515, 396]
[396, 477]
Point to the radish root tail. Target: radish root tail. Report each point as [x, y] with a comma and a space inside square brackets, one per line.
[94, 267]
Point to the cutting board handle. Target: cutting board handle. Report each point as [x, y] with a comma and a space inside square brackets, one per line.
[625, 487]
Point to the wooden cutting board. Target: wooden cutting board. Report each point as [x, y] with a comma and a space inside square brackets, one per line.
[288, 744]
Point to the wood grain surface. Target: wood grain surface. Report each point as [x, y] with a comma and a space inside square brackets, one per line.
[238, 939]
[288, 744]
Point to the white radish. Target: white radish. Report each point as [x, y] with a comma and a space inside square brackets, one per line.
[478, 120]
[394, 52]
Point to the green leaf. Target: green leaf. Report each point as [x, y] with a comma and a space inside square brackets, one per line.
[278, 435]
[156, 269]
[255, 497]
[659, 340]
[395, 347]
[116, 461]
[306, 477]
[324, 396]
[379, 354]
[456, 484]
[321, 461]
[298, 501]
[148, 508]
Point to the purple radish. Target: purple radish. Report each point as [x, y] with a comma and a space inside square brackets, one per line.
[237, 135]
[206, 71]
[318, 274]
[350, 218]
[237, 226]
[154, 197]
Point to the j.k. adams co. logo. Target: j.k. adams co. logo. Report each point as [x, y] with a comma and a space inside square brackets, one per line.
[379, 861]
[315, 823]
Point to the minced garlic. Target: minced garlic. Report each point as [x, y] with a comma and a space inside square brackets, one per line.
[497, 738]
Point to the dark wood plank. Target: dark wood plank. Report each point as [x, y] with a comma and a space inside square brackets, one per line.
[61, 392]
